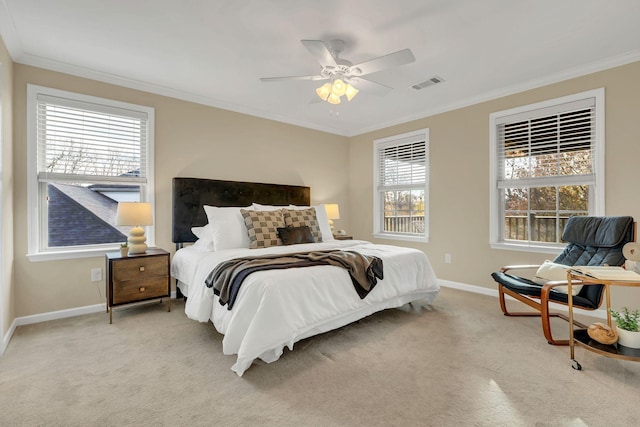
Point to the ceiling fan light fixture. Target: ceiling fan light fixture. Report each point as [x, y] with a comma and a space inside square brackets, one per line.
[339, 87]
[331, 92]
[350, 92]
[324, 91]
[333, 99]
[341, 72]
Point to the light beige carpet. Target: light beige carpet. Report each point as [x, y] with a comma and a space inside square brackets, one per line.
[460, 364]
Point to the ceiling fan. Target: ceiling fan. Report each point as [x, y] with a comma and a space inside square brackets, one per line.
[345, 77]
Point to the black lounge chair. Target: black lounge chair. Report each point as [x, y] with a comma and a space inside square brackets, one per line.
[590, 241]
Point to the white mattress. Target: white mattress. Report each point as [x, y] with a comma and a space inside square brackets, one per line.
[276, 308]
[183, 266]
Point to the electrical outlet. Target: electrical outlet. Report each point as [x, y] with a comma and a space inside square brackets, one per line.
[447, 258]
[96, 274]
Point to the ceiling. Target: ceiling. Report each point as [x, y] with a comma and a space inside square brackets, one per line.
[214, 52]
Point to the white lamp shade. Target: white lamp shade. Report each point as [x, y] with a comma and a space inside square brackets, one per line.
[134, 213]
[333, 211]
[351, 92]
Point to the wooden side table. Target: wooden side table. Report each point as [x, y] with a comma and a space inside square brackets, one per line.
[580, 337]
[137, 278]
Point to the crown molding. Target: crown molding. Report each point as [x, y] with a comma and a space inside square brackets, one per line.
[9, 35]
[571, 73]
[8, 32]
[61, 67]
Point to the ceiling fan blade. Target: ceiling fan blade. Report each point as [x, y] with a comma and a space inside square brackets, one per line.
[279, 79]
[369, 86]
[320, 51]
[400, 57]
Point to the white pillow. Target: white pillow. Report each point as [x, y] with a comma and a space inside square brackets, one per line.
[202, 232]
[323, 220]
[205, 238]
[203, 245]
[259, 207]
[228, 230]
[549, 271]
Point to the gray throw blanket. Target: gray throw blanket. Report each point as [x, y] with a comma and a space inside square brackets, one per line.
[227, 277]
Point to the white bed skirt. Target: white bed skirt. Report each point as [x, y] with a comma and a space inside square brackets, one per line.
[277, 308]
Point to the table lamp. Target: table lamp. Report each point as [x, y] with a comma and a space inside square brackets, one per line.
[333, 212]
[135, 214]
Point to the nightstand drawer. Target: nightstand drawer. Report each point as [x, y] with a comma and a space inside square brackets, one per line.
[139, 268]
[136, 290]
[136, 278]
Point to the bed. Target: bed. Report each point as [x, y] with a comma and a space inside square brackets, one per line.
[276, 308]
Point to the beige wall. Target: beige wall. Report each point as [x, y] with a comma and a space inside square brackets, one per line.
[200, 141]
[6, 181]
[459, 160]
[190, 140]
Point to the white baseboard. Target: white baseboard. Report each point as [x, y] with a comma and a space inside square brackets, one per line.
[60, 314]
[79, 311]
[599, 313]
[52, 315]
[468, 288]
[45, 317]
[5, 340]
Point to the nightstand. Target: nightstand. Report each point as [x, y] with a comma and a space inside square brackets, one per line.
[137, 278]
[343, 237]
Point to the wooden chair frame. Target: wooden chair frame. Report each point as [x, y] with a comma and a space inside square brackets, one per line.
[540, 304]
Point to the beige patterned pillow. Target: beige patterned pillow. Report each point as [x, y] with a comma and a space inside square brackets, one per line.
[262, 227]
[300, 217]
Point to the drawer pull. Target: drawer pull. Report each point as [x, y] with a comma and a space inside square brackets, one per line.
[142, 289]
[141, 268]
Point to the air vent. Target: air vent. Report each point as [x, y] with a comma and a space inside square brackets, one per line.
[429, 82]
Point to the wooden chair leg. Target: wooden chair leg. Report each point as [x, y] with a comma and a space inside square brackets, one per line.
[545, 316]
[543, 312]
[503, 304]
[502, 291]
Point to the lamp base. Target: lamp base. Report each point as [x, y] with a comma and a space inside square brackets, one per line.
[137, 241]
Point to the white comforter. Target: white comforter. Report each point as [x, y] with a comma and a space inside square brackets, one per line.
[276, 308]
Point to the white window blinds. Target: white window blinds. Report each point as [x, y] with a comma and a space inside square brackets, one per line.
[402, 164]
[552, 143]
[84, 142]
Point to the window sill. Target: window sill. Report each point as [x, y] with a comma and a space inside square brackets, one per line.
[423, 239]
[71, 254]
[525, 247]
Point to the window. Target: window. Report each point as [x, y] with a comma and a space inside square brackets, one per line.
[547, 164]
[401, 186]
[85, 154]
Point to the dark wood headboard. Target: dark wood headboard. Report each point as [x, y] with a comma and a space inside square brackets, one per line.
[191, 194]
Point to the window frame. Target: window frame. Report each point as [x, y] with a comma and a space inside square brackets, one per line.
[36, 212]
[378, 202]
[3, 344]
[596, 202]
